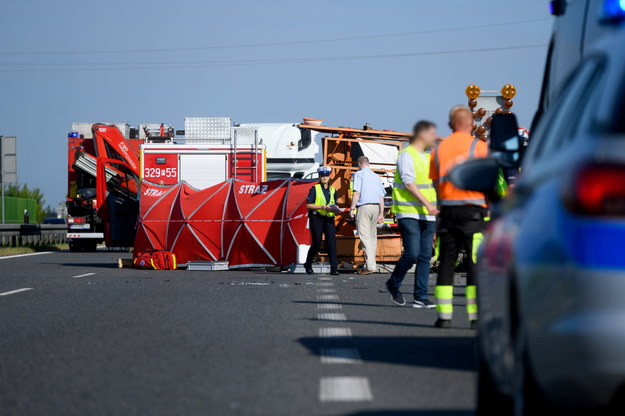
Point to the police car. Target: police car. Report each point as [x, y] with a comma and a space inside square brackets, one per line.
[551, 284]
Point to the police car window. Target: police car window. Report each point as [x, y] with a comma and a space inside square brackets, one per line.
[559, 126]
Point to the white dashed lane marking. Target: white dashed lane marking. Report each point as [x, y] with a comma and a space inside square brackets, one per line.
[24, 289]
[344, 389]
[329, 306]
[340, 356]
[324, 284]
[326, 290]
[335, 332]
[325, 278]
[328, 297]
[83, 275]
[331, 317]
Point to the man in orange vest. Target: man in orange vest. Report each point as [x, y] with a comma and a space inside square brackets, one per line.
[462, 214]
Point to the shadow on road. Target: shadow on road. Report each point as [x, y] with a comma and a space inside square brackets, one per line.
[375, 305]
[406, 324]
[456, 353]
[413, 413]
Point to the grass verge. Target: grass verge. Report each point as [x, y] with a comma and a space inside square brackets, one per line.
[12, 251]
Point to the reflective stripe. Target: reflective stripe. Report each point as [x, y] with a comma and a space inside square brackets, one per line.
[411, 203]
[421, 186]
[460, 202]
[444, 179]
[472, 148]
[445, 315]
[473, 316]
[412, 215]
[444, 301]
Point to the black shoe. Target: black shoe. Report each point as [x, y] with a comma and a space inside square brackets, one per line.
[443, 323]
[424, 303]
[473, 324]
[334, 272]
[396, 295]
[309, 269]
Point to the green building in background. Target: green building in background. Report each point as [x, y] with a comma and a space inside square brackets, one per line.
[14, 210]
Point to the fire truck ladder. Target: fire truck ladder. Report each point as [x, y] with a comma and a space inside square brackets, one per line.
[254, 159]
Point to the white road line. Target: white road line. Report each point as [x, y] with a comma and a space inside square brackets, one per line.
[24, 289]
[335, 332]
[325, 278]
[83, 275]
[24, 255]
[331, 317]
[344, 389]
[326, 290]
[324, 284]
[329, 306]
[328, 297]
[340, 356]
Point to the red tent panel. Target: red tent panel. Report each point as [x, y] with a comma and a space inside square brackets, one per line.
[244, 223]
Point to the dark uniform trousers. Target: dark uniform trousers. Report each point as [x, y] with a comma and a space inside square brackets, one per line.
[320, 224]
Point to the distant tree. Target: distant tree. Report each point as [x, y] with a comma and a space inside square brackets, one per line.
[24, 191]
[49, 212]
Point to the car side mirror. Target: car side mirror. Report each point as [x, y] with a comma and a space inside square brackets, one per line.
[505, 143]
[476, 175]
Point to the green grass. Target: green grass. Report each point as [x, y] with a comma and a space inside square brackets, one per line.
[11, 251]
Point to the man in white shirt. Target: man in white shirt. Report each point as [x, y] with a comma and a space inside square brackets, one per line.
[368, 209]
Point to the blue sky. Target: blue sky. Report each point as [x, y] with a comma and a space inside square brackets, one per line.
[41, 98]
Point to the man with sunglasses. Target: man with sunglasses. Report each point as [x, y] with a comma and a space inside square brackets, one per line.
[322, 209]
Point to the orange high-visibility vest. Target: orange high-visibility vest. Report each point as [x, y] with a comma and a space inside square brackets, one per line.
[455, 149]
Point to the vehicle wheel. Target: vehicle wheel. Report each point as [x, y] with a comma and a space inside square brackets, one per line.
[91, 246]
[529, 400]
[74, 246]
[490, 401]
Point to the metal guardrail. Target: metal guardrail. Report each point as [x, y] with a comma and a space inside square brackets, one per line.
[16, 235]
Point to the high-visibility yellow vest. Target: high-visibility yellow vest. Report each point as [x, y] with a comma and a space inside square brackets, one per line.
[403, 201]
[320, 199]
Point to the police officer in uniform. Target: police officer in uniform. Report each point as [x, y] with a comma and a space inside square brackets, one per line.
[320, 203]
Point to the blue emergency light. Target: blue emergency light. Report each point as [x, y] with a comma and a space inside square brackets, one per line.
[613, 11]
[73, 135]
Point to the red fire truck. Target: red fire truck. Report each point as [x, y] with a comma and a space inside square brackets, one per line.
[106, 163]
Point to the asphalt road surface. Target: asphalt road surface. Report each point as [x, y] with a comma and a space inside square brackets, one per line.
[80, 337]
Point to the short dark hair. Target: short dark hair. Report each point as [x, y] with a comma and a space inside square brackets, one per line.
[420, 127]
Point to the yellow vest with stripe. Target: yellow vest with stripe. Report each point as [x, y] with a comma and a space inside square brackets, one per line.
[403, 201]
[320, 199]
